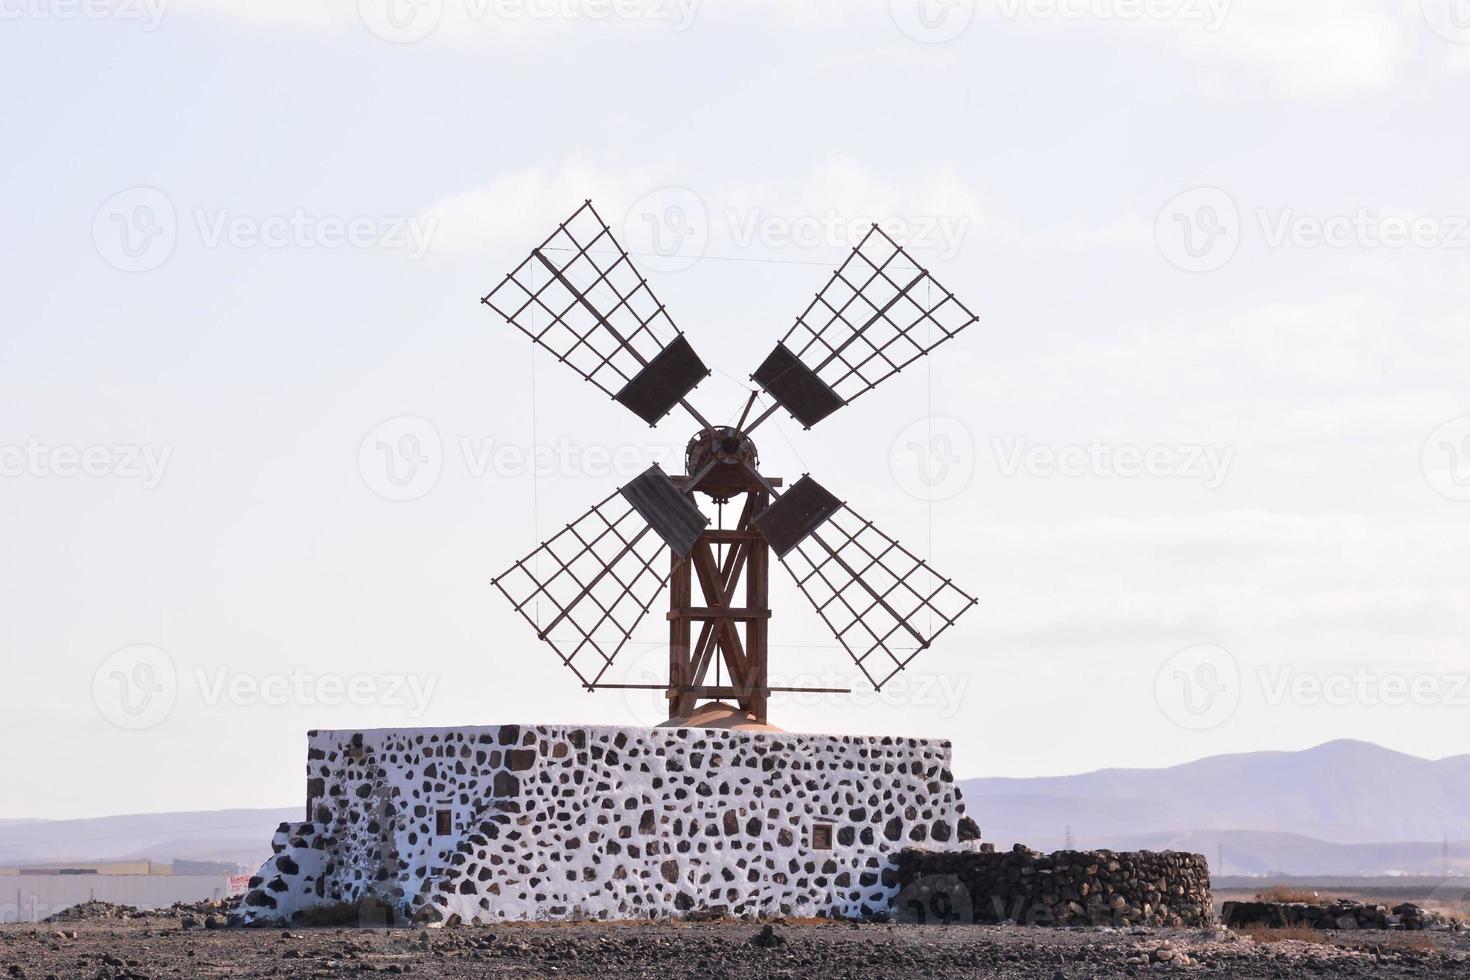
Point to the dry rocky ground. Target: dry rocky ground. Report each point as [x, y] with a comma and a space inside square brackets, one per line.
[102, 943]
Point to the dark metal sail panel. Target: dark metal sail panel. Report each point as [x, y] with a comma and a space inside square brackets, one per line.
[673, 373]
[796, 387]
[579, 296]
[586, 589]
[669, 511]
[880, 312]
[798, 512]
[883, 603]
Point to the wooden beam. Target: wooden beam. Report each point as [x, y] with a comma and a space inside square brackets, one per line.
[717, 614]
[757, 596]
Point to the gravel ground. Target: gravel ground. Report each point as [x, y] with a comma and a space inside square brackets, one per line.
[158, 946]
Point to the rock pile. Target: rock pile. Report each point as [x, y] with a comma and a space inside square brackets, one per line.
[88, 911]
[1164, 953]
[1343, 914]
[1068, 888]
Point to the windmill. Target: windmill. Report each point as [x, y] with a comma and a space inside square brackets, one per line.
[586, 588]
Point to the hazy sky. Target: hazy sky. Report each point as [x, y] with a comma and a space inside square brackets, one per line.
[1205, 459]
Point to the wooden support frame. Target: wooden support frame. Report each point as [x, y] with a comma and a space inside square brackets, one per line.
[732, 639]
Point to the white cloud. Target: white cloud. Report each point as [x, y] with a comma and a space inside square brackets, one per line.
[1245, 573]
[1129, 233]
[517, 209]
[826, 210]
[1313, 47]
[1301, 48]
[1360, 416]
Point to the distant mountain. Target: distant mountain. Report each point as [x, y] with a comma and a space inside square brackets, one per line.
[1343, 792]
[1290, 811]
[234, 836]
[1254, 852]
[1341, 808]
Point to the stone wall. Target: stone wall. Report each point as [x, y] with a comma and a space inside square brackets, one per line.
[1342, 914]
[556, 822]
[1067, 888]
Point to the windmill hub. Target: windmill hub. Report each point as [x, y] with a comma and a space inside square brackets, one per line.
[723, 444]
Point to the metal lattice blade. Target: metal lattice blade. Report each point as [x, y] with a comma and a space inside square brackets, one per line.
[796, 515]
[579, 296]
[883, 603]
[666, 508]
[878, 314]
[586, 589]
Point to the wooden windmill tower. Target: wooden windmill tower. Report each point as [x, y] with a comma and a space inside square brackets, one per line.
[586, 588]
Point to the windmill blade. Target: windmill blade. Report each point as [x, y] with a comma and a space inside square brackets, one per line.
[878, 314]
[883, 603]
[579, 296]
[586, 589]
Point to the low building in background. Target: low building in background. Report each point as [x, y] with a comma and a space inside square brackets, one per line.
[33, 894]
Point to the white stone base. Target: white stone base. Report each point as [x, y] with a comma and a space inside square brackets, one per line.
[561, 822]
